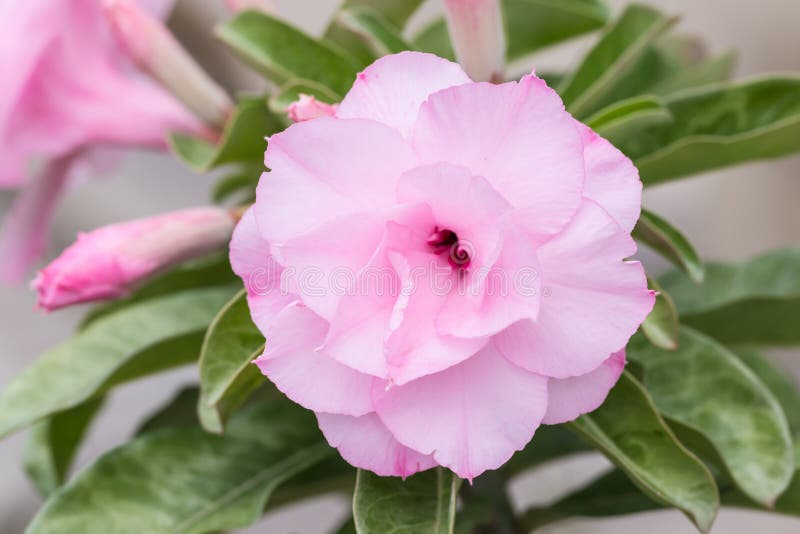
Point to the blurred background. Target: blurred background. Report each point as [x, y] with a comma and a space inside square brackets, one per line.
[729, 215]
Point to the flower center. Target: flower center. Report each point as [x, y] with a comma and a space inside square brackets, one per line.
[444, 241]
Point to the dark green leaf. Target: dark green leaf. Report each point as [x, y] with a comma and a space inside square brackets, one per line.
[397, 12]
[550, 442]
[626, 118]
[242, 141]
[630, 432]
[756, 302]
[242, 184]
[376, 32]
[434, 38]
[291, 92]
[707, 389]
[180, 412]
[661, 325]
[718, 126]
[612, 58]
[53, 443]
[664, 238]
[144, 338]
[227, 375]
[182, 480]
[422, 504]
[283, 52]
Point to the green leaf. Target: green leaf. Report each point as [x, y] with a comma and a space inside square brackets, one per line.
[718, 126]
[630, 432]
[778, 380]
[660, 327]
[789, 501]
[435, 39]
[422, 504]
[283, 52]
[376, 32]
[182, 480]
[626, 118]
[53, 443]
[242, 141]
[552, 441]
[707, 389]
[227, 375]
[755, 302]
[612, 58]
[535, 24]
[667, 240]
[710, 71]
[180, 412]
[242, 184]
[397, 12]
[291, 91]
[144, 338]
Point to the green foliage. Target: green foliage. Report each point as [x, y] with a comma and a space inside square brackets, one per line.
[292, 90]
[423, 504]
[664, 238]
[755, 302]
[377, 33]
[628, 429]
[704, 387]
[626, 118]
[661, 325]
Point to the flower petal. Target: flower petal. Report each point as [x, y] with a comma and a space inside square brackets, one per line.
[366, 443]
[471, 417]
[592, 301]
[567, 398]
[392, 89]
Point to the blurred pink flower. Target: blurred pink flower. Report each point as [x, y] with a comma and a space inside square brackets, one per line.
[267, 6]
[441, 267]
[68, 88]
[476, 29]
[109, 262]
[308, 107]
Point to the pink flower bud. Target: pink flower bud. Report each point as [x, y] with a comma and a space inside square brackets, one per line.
[267, 6]
[159, 54]
[307, 107]
[110, 261]
[476, 29]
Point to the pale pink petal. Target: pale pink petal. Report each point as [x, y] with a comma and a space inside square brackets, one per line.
[471, 417]
[366, 443]
[307, 107]
[392, 89]
[592, 301]
[324, 169]
[261, 274]
[308, 377]
[518, 137]
[478, 36]
[567, 398]
[611, 179]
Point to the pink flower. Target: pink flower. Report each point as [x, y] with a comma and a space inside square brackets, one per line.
[476, 29]
[110, 261]
[267, 6]
[308, 107]
[441, 267]
[68, 88]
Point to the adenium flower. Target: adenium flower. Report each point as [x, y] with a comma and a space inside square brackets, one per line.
[441, 267]
[267, 6]
[307, 107]
[68, 88]
[476, 29]
[109, 262]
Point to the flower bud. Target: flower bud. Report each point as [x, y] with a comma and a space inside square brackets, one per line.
[476, 29]
[109, 262]
[267, 6]
[307, 107]
[159, 54]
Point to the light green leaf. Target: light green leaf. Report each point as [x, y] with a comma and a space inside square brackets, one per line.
[283, 52]
[422, 504]
[397, 12]
[718, 126]
[227, 375]
[435, 39]
[291, 91]
[241, 184]
[660, 327]
[612, 58]
[53, 443]
[144, 338]
[242, 141]
[778, 380]
[710, 71]
[376, 32]
[182, 480]
[707, 389]
[626, 118]
[755, 302]
[630, 432]
[667, 240]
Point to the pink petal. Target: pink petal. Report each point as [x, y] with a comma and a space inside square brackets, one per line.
[592, 301]
[570, 397]
[366, 443]
[251, 261]
[392, 89]
[310, 378]
[471, 417]
[518, 137]
[611, 179]
[327, 168]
